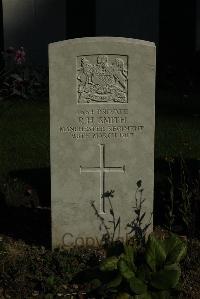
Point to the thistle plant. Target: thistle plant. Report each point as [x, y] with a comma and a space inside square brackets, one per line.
[111, 227]
[137, 229]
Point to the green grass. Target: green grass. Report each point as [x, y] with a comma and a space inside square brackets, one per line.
[24, 136]
[177, 135]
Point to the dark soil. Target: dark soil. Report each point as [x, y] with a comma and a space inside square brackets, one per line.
[34, 272]
[191, 272]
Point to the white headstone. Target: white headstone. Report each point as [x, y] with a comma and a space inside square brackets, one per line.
[102, 101]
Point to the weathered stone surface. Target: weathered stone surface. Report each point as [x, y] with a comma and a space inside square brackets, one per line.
[102, 135]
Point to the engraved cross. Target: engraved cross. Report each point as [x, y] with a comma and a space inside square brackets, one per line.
[102, 169]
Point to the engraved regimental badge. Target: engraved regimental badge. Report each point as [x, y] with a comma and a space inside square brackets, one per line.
[102, 79]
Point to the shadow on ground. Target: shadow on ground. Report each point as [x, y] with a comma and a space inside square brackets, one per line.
[33, 225]
[38, 179]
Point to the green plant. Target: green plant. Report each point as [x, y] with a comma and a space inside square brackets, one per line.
[136, 225]
[180, 202]
[151, 273]
[109, 233]
[185, 205]
[169, 204]
[18, 77]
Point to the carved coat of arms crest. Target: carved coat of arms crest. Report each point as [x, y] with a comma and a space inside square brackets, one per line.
[102, 79]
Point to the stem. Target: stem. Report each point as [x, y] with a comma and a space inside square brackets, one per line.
[101, 219]
[113, 215]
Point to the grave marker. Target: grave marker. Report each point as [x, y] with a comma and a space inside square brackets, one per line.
[102, 100]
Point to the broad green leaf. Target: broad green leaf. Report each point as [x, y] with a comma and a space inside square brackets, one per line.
[123, 296]
[143, 272]
[129, 256]
[155, 254]
[176, 249]
[175, 267]
[125, 270]
[161, 295]
[115, 282]
[143, 296]
[95, 283]
[137, 286]
[109, 264]
[50, 280]
[165, 279]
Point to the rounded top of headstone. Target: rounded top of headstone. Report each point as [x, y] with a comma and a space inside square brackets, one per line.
[103, 39]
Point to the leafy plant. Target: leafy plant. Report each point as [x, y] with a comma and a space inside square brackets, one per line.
[20, 78]
[153, 273]
[136, 225]
[109, 233]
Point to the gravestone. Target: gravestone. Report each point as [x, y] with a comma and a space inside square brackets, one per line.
[102, 136]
